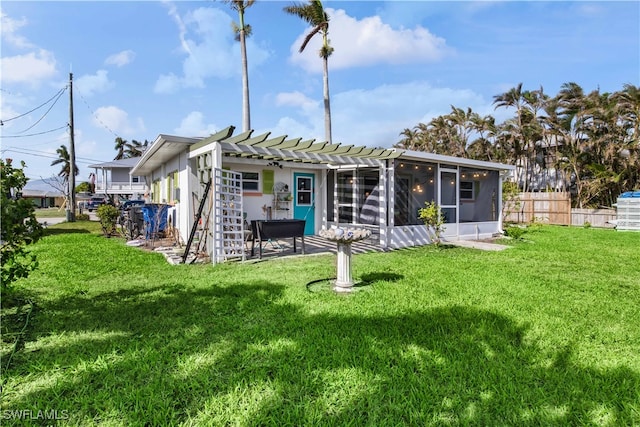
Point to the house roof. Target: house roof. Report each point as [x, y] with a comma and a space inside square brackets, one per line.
[458, 161]
[113, 164]
[46, 187]
[164, 148]
[280, 148]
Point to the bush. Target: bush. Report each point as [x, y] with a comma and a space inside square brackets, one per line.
[82, 217]
[432, 217]
[19, 225]
[108, 216]
[514, 232]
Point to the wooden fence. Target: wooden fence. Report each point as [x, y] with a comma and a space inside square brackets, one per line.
[595, 217]
[549, 208]
[555, 208]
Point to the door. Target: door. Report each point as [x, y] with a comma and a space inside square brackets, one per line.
[345, 186]
[304, 200]
[449, 200]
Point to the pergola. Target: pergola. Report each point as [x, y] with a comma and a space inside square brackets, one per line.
[279, 148]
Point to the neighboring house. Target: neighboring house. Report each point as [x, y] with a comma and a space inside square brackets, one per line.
[325, 184]
[114, 179]
[44, 193]
[543, 172]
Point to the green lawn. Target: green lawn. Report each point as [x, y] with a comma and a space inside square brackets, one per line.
[51, 213]
[544, 333]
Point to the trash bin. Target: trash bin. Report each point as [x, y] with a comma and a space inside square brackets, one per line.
[155, 219]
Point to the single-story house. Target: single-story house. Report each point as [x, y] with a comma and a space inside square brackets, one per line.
[44, 193]
[263, 177]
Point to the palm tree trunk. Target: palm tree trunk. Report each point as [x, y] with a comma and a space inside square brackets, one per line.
[327, 106]
[246, 117]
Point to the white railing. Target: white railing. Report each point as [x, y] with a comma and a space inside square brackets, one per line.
[120, 186]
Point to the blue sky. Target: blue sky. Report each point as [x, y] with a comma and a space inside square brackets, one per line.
[145, 68]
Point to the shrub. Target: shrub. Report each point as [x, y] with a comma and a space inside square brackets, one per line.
[108, 216]
[83, 217]
[433, 219]
[19, 225]
[514, 232]
[586, 224]
[510, 198]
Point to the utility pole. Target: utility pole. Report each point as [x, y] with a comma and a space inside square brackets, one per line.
[71, 209]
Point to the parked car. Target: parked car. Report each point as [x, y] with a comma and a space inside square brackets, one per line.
[95, 202]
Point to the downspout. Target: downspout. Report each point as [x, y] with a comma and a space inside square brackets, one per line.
[502, 175]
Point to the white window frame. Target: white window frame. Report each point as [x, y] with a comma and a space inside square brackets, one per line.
[257, 182]
[464, 192]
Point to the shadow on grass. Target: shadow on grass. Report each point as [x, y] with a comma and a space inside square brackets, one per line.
[383, 276]
[57, 231]
[237, 354]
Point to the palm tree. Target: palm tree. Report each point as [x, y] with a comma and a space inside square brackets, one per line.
[314, 14]
[64, 158]
[121, 144]
[135, 148]
[409, 140]
[513, 99]
[483, 148]
[243, 31]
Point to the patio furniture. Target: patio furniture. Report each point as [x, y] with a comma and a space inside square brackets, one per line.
[270, 230]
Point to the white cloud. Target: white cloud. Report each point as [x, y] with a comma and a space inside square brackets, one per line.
[374, 117]
[88, 84]
[297, 99]
[193, 125]
[118, 121]
[29, 68]
[10, 27]
[367, 42]
[207, 40]
[121, 59]
[167, 83]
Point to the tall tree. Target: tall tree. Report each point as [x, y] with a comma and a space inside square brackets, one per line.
[242, 31]
[64, 159]
[314, 14]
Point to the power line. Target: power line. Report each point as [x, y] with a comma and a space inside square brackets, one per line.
[44, 115]
[38, 153]
[58, 94]
[93, 113]
[33, 134]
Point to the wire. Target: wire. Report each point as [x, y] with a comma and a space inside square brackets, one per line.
[33, 134]
[58, 94]
[96, 116]
[45, 154]
[44, 115]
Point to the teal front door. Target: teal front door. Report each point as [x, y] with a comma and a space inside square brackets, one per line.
[304, 200]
